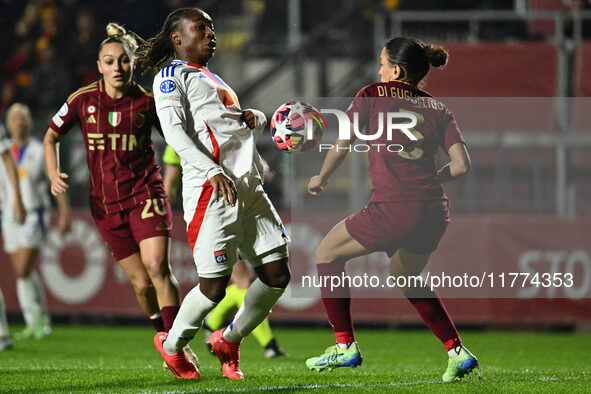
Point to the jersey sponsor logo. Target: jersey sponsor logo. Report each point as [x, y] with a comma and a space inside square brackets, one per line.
[167, 86]
[63, 110]
[91, 119]
[139, 119]
[96, 141]
[57, 120]
[114, 118]
[220, 256]
[91, 109]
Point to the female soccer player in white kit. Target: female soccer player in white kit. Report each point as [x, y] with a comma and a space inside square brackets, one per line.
[24, 241]
[18, 213]
[203, 122]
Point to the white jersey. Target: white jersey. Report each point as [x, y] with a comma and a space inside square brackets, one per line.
[200, 118]
[32, 180]
[4, 141]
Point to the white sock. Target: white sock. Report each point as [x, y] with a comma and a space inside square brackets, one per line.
[345, 346]
[3, 323]
[255, 308]
[455, 352]
[26, 293]
[31, 299]
[193, 310]
[40, 297]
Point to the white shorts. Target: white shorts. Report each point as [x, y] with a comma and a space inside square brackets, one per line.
[30, 234]
[216, 231]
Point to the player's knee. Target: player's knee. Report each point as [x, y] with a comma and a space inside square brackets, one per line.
[214, 289]
[142, 288]
[214, 294]
[279, 279]
[324, 254]
[157, 268]
[22, 272]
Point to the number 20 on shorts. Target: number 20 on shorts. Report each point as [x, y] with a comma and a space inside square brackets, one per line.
[154, 205]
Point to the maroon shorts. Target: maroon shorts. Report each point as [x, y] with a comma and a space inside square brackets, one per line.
[122, 231]
[416, 226]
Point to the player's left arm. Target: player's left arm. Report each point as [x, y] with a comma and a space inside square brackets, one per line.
[453, 143]
[459, 165]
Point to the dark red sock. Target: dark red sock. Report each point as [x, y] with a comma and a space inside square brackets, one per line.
[168, 314]
[337, 302]
[157, 323]
[433, 313]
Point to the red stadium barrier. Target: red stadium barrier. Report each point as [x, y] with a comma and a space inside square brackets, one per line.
[82, 279]
[525, 69]
[500, 75]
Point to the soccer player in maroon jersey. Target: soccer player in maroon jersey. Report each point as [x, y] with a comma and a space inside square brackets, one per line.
[408, 211]
[127, 199]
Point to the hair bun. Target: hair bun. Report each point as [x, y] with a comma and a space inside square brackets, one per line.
[113, 29]
[436, 55]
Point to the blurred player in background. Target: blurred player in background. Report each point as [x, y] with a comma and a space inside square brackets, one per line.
[408, 211]
[18, 213]
[241, 277]
[23, 241]
[127, 199]
[203, 122]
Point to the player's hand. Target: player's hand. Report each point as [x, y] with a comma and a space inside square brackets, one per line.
[224, 185]
[316, 185]
[19, 212]
[58, 185]
[248, 118]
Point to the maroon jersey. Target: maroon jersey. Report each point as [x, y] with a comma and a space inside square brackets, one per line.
[408, 174]
[117, 136]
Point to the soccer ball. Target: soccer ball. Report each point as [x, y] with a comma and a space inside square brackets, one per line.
[297, 127]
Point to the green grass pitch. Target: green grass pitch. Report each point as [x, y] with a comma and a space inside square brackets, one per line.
[122, 359]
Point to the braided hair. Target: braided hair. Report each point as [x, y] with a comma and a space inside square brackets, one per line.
[154, 52]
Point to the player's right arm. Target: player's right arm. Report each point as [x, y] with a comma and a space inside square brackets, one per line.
[170, 94]
[336, 155]
[59, 125]
[50, 147]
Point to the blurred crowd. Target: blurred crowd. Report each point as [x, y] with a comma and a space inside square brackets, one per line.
[49, 46]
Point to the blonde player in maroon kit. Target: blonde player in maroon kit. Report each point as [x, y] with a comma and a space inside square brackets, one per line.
[127, 199]
[408, 211]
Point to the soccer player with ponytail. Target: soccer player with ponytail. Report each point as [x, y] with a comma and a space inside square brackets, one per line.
[408, 211]
[127, 198]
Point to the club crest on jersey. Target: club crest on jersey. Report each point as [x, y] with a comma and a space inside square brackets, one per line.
[91, 109]
[167, 86]
[220, 256]
[139, 119]
[114, 118]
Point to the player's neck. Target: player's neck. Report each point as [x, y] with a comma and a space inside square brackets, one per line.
[116, 93]
[18, 142]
